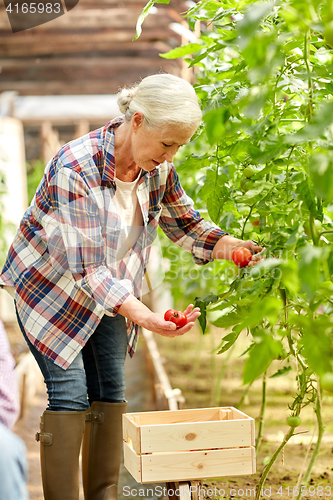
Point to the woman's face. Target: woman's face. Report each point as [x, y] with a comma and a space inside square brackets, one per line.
[151, 147]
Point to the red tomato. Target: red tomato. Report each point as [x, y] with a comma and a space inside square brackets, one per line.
[241, 256]
[255, 222]
[177, 317]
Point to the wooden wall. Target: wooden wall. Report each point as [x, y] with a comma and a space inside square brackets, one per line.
[89, 50]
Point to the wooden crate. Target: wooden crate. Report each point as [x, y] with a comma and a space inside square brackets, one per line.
[188, 444]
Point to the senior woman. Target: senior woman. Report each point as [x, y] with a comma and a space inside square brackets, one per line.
[77, 266]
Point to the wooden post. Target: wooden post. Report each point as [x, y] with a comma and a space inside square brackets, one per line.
[50, 141]
[15, 199]
[81, 128]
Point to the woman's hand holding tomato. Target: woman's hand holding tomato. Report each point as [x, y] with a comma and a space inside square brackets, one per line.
[156, 323]
[177, 317]
[247, 254]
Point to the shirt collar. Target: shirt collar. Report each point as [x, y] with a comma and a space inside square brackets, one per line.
[109, 167]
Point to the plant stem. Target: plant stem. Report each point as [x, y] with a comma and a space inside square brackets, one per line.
[313, 231]
[287, 173]
[247, 218]
[262, 413]
[286, 438]
[307, 64]
[271, 462]
[245, 392]
[221, 376]
[321, 429]
[212, 365]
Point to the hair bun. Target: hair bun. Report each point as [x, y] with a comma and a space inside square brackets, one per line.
[125, 97]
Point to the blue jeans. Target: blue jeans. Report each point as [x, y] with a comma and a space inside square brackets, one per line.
[96, 374]
[13, 466]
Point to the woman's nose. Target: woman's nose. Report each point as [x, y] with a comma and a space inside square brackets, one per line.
[170, 154]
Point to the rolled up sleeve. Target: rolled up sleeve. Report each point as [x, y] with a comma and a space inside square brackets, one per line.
[185, 226]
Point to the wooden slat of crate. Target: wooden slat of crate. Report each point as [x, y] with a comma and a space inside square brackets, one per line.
[131, 433]
[237, 414]
[197, 464]
[132, 462]
[170, 416]
[195, 436]
[168, 430]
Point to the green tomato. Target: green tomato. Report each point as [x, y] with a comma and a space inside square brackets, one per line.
[326, 381]
[317, 228]
[328, 33]
[248, 172]
[246, 184]
[294, 421]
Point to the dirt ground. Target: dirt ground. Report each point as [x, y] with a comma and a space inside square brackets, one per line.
[207, 379]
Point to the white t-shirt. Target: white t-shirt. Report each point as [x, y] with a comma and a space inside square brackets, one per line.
[130, 214]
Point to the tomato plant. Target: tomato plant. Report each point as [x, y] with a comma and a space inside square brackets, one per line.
[241, 256]
[177, 317]
[264, 74]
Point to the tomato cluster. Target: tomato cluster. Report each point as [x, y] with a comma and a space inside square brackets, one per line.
[246, 183]
[177, 317]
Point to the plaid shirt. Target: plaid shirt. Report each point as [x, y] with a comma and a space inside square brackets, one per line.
[62, 262]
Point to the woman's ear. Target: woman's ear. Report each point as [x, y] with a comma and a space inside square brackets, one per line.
[137, 120]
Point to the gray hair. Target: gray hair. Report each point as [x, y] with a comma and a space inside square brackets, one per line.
[163, 99]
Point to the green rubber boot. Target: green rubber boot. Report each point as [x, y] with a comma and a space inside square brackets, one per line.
[101, 450]
[60, 440]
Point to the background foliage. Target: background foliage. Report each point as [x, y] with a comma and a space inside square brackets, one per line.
[261, 166]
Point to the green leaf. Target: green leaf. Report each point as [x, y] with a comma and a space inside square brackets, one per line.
[184, 50]
[317, 345]
[215, 124]
[257, 193]
[202, 303]
[260, 358]
[145, 11]
[321, 173]
[309, 269]
[306, 194]
[248, 26]
[194, 163]
[228, 341]
[227, 219]
[316, 126]
[290, 278]
[269, 307]
[281, 372]
[231, 319]
[271, 152]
